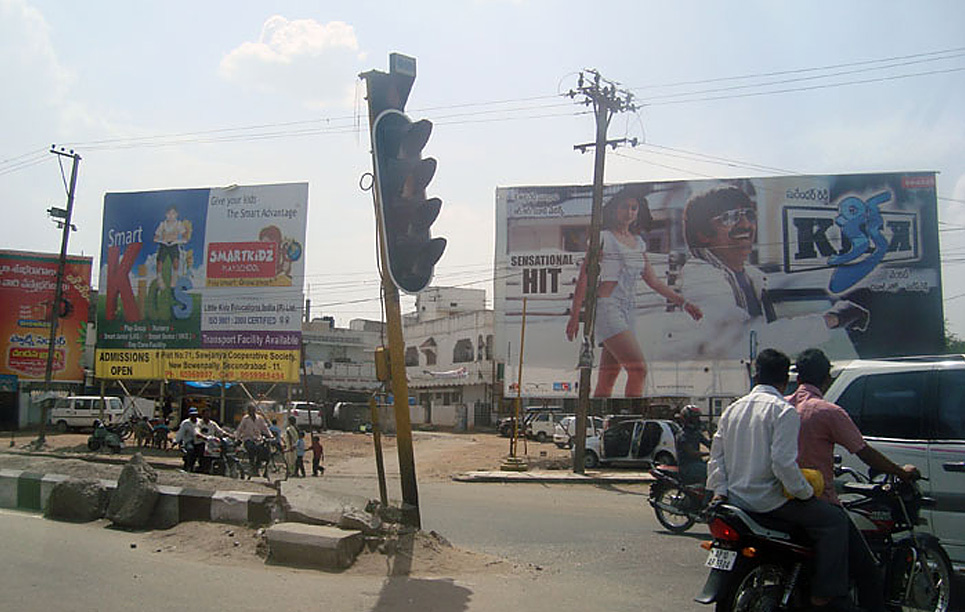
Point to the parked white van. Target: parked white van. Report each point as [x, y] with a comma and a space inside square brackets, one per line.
[913, 410]
[83, 410]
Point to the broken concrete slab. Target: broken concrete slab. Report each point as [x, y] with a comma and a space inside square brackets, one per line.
[318, 546]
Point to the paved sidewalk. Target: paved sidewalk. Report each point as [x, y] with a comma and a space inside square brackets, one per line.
[556, 476]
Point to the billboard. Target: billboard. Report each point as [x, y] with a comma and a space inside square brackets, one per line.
[202, 284]
[697, 276]
[27, 284]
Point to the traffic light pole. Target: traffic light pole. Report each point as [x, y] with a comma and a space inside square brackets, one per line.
[400, 398]
[393, 318]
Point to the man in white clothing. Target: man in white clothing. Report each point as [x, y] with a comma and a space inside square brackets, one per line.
[753, 460]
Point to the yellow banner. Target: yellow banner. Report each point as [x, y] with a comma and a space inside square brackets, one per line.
[198, 364]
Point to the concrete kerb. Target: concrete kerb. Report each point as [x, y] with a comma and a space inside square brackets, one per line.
[325, 547]
[553, 477]
[25, 490]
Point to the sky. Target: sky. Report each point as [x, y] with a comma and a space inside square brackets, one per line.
[185, 94]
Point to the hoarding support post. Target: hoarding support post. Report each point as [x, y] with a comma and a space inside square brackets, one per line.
[513, 463]
[606, 100]
[103, 401]
[221, 414]
[58, 294]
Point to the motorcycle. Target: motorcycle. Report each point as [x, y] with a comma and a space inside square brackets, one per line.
[105, 436]
[761, 564]
[677, 505]
[221, 457]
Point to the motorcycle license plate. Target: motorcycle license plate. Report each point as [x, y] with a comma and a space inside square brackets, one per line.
[721, 559]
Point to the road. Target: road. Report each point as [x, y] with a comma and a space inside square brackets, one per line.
[608, 563]
[585, 547]
[586, 538]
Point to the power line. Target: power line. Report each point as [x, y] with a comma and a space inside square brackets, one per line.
[956, 51]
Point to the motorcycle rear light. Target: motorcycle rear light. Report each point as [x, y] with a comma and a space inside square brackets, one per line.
[706, 544]
[749, 552]
[722, 531]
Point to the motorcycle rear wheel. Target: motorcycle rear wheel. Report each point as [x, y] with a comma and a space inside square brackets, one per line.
[759, 589]
[675, 497]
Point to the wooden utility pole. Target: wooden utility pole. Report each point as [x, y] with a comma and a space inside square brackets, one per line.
[58, 291]
[606, 101]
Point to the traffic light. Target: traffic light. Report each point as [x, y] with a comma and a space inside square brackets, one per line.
[402, 176]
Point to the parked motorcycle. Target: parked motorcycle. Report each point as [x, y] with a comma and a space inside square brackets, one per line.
[760, 564]
[677, 505]
[104, 436]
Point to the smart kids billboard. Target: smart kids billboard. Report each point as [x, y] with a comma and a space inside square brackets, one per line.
[27, 284]
[202, 284]
[697, 276]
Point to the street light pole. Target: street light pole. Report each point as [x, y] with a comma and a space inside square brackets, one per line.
[58, 291]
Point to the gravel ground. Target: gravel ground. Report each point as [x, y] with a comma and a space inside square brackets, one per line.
[437, 456]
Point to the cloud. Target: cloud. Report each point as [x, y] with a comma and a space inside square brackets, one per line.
[30, 61]
[309, 61]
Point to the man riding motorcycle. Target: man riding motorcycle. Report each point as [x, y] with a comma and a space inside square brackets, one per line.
[823, 425]
[690, 459]
[753, 463]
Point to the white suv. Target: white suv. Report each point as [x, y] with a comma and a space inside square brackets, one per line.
[913, 410]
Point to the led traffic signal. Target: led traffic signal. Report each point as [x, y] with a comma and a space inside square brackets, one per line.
[402, 176]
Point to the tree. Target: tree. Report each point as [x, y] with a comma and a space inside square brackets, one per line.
[953, 344]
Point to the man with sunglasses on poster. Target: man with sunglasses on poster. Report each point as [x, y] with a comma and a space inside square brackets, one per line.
[720, 226]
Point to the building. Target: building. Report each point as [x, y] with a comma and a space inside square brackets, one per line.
[449, 358]
[340, 362]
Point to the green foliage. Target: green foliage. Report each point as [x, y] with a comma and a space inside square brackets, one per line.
[953, 344]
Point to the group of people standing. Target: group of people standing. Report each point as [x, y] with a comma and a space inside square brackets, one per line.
[764, 440]
[257, 437]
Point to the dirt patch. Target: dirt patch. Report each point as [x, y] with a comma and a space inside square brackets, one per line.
[437, 457]
[214, 543]
[419, 554]
[429, 555]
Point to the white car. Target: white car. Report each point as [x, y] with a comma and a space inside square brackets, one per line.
[566, 429]
[83, 410]
[913, 411]
[307, 415]
[541, 425]
[636, 442]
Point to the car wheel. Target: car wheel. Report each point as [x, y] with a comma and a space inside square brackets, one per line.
[590, 460]
[664, 458]
[62, 426]
[541, 437]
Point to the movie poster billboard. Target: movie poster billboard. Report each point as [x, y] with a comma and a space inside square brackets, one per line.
[27, 284]
[697, 276]
[203, 284]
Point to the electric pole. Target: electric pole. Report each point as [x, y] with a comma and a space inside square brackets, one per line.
[606, 100]
[55, 307]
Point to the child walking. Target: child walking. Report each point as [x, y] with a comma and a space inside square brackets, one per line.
[300, 454]
[318, 454]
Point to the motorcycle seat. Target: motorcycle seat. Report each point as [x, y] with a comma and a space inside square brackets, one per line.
[766, 525]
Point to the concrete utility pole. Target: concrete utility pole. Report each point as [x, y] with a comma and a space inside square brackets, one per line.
[606, 101]
[58, 288]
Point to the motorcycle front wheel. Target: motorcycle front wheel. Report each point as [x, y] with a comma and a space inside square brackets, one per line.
[928, 583]
[758, 589]
[677, 520]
